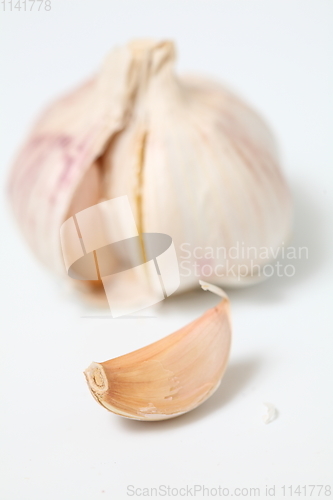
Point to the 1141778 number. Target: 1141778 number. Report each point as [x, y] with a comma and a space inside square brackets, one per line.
[26, 5]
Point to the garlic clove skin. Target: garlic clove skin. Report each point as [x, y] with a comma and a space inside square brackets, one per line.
[171, 376]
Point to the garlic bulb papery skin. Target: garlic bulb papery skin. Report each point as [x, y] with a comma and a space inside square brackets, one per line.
[171, 376]
[195, 162]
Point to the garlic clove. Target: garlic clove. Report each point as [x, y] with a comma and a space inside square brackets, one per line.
[59, 162]
[171, 376]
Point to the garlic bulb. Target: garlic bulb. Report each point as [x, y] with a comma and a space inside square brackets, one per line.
[171, 376]
[195, 162]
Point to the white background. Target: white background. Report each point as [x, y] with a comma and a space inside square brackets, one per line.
[57, 443]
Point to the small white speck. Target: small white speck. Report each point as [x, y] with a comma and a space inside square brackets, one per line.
[270, 413]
